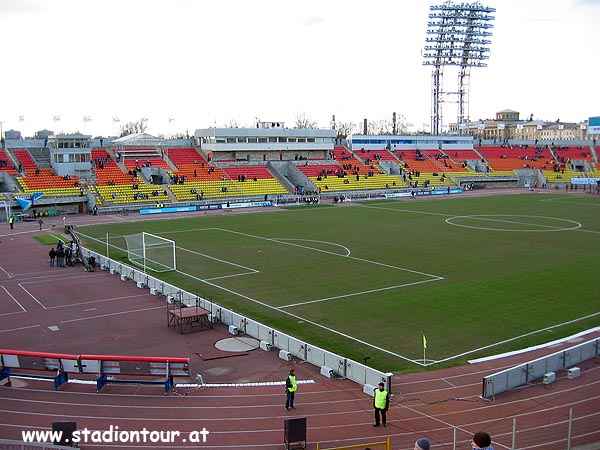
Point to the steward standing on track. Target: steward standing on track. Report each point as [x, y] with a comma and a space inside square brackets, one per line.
[290, 389]
[381, 402]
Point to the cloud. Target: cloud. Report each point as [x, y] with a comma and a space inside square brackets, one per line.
[10, 7]
[312, 21]
[585, 3]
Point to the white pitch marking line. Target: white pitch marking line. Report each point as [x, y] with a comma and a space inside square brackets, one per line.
[32, 296]
[9, 275]
[112, 314]
[15, 300]
[370, 291]
[312, 240]
[10, 330]
[331, 253]
[218, 259]
[97, 301]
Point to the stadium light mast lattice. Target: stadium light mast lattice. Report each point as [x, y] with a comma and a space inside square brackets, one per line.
[457, 35]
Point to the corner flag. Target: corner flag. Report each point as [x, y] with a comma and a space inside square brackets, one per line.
[424, 342]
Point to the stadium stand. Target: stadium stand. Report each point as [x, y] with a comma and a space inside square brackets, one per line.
[512, 158]
[374, 155]
[120, 174]
[25, 159]
[6, 164]
[254, 180]
[565, 153]
[462, 155]
[197, 179]
[43, 180]
[116, 186]
[366, 172]
[428, 168]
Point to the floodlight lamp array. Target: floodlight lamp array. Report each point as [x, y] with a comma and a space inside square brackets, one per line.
[458, 35]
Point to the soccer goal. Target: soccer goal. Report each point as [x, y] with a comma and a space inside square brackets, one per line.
[151, 252]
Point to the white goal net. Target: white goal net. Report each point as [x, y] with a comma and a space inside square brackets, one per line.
[151, 252]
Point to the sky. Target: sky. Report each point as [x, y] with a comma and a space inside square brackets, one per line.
[189, 64]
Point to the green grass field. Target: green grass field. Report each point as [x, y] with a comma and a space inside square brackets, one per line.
[476, 275]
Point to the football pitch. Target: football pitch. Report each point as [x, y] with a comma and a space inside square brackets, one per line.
[476, 275]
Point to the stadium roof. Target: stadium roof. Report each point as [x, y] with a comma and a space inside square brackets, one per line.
[138, 139]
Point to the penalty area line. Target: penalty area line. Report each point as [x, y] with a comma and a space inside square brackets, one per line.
[353, 294]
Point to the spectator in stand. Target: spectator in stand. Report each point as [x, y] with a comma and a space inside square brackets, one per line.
[422, 444]
[482, 440]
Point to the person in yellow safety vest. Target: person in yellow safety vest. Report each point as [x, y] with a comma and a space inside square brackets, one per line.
[381, 401]
[290, 389]
[11, 221]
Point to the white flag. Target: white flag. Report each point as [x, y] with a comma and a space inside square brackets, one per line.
[519, 126]
[56, 118]
[87, 119]
[561, 127]
[539, 126]
[171, 119]
[21, 118]
[116, 119]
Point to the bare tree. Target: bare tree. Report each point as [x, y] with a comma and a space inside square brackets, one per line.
[401, 124]
[344, 129]
[385, 126]
[381, 126]
[303, 120]
[232, 123]
[133, 127]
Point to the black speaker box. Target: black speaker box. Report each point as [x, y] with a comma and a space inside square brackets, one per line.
[294, 430]
[67, 429]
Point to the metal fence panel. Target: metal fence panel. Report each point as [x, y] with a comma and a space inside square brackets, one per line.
[533, 370]
[316, 356]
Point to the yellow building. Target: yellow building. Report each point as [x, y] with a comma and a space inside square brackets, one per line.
[508, 125]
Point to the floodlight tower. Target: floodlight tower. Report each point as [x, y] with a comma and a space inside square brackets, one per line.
[457, 35]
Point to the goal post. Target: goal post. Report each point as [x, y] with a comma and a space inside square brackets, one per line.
[151, 252]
